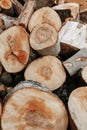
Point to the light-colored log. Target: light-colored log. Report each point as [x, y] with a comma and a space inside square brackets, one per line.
[44, 39]
[45, 15]
[14, 49]
[32, 108]
[78, 107]
[47, 70]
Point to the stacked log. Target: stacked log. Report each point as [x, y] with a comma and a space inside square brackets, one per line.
[43, 64]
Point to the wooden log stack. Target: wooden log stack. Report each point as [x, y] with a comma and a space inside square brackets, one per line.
[43, 65]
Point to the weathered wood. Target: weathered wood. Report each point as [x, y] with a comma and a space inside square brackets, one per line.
[47, 70]
[14, 49]
[72, 11]
[26, 13]
[36, 109]
[44, 39]
[78, 107]
[6, 21]
[45, 15]
[74, 34]
[77, 61]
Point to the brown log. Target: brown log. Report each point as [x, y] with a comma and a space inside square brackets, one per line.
[44, 39]
[78, 107]
[14, 49]
[47, 70]
[33, 108]
[45, 15]
[6, 4]
[77, 61]
[7, 7]
[74, 11]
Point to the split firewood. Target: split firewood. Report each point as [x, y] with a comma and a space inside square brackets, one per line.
[44, 39]
[78, 107]
[23, 17]
[26, 13]
[74, 35]
[47, 70]
[76, 62]
[45, 15]
[14, 49]
[68, 11]
[32, 107]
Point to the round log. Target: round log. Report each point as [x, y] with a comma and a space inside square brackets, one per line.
[14, 49]
[45, 15]
[47, 70]
[33, 109]
[78, 107]
[44, 39]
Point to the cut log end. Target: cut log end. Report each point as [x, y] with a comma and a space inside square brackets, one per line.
[35, 111]
[45, 15]
[43, 36]
[6, 4]
[47, 70]
[15, 46]
[78, 107]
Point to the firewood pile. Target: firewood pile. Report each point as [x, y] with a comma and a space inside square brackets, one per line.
[43, 64]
